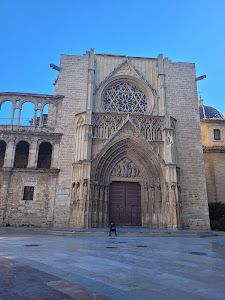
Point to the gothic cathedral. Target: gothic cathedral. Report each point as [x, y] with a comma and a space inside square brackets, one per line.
[121, 142]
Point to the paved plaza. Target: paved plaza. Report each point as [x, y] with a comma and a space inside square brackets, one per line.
[40, 266]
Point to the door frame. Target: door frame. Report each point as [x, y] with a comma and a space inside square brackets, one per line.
[126, 180]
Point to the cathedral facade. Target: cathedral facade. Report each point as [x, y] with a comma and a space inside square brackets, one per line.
[121, 142]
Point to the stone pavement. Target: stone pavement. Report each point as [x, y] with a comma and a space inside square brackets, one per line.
[40, 266]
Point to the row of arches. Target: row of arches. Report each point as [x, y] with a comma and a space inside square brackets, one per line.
[22, 155]
[25, 114]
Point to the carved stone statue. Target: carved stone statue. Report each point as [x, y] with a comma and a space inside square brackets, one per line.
[101, 196]
[125, 168]
[73, 193]
[153, 198]
[96, 194]
[159, 196]
[167, 193]
[78, 191]
[129, 171]
[85, 191]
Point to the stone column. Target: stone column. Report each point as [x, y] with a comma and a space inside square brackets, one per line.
[12, 116]
[10, 153]
[33, 124]
[146, 207]
[159, 201]
[167, 205]
[55, 156]
[95, 205]
[40, 120]
[18, 118]
[161, 86]
[91, 78]
[106, 207]
[33, 155]
[100, 206]
[153, 205]
[174, 205]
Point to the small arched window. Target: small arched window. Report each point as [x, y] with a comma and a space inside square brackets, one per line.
[21, 155]
[2, 153]
[44, 156]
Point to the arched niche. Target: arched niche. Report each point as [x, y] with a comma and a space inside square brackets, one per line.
[21, 155]
[44, 156]
[2, 152]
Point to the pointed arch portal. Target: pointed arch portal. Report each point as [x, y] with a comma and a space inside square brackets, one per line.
[127, 187]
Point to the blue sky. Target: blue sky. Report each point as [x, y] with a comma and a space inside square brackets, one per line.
[33, 34]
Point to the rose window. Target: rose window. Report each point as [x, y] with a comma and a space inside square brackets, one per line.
[124, 97]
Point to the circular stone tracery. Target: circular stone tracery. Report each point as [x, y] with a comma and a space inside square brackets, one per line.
[124, 97]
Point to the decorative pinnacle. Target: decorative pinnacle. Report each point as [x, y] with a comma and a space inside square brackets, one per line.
[200, 101]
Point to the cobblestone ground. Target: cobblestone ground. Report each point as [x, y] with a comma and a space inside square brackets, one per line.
[35, 266]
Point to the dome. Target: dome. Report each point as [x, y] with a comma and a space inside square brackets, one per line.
[208, 112]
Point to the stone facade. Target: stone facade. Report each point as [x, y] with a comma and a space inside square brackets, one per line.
[112, 119]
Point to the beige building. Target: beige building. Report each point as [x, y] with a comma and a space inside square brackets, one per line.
[213, 141]
[121, 142]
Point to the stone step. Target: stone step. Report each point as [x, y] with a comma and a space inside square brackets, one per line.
[130, 233]
[136, 232]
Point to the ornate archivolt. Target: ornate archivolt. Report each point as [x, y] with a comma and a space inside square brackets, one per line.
[128, 158]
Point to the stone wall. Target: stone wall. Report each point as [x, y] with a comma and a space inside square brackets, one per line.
[13, 178]
[72, 83]
[36, 212]
[182, 104]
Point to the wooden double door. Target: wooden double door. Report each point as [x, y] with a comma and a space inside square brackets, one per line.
[125, 203]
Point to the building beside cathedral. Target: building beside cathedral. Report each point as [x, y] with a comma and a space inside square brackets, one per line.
[121, 142]
[213, 142]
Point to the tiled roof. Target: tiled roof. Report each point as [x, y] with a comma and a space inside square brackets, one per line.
[208, 112]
